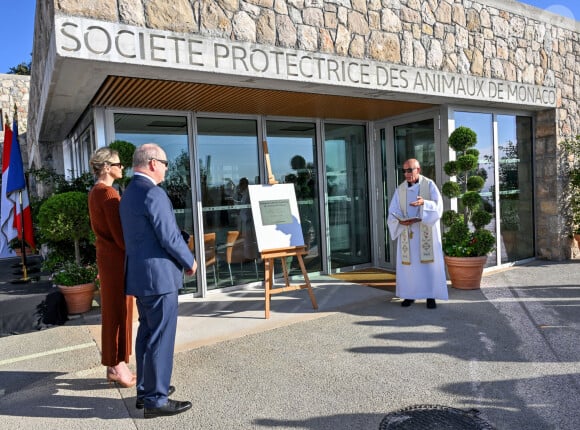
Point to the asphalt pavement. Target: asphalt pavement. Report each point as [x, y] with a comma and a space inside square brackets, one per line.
[508, 352]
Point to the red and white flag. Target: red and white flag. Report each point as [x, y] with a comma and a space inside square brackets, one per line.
[17, 192]
[7, 209]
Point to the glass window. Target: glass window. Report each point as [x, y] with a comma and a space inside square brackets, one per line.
[515, 187]
[415, 140]
[384, 156]
[169, 132]
[86, 149]
[292, 148]
[411, 140]
[228, 163]
[348, 200]
[482, 125]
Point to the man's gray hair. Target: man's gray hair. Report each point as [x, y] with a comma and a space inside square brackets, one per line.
[144, 153]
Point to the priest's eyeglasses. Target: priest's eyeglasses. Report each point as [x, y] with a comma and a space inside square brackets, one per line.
[409, 170]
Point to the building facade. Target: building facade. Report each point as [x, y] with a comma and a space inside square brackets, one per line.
[14, 98]
[340, 91]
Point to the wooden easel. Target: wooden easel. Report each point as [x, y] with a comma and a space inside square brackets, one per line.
[270, 255]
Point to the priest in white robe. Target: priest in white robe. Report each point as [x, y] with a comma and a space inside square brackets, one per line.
[413, 220]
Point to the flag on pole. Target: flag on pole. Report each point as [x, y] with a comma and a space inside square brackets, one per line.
[7, 209]
[16, 190]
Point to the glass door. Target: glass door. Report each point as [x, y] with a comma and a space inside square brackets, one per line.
[292, 148]
[348, 214]
[401, 139]
[227, 150]
[171, 133]
[509, 194]
[516, 187]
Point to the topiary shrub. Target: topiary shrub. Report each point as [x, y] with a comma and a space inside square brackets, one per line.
[465, 234]
[65, 216]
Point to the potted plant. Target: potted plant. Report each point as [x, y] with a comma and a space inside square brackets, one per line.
[77, 283]
[466, 242]
[62, 218]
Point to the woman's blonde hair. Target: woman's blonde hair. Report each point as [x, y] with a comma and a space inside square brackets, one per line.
[101, 158]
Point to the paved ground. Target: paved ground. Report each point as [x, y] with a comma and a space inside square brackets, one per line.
[509, 350]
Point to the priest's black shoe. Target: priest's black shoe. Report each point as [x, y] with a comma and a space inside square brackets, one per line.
[431, 304]
[172, 407]
[140, 403]
[407, 302]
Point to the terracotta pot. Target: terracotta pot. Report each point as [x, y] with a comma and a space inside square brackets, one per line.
[465, 272]
[18, 251]
[79, 298]
[577, 238]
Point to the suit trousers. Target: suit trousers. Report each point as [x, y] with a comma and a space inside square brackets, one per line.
[154, 347]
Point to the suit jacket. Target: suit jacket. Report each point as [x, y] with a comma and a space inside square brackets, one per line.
[155, 252]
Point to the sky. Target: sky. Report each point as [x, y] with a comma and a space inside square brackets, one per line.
[17, 17]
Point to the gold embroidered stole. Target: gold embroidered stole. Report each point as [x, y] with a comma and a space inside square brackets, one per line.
[426, 236]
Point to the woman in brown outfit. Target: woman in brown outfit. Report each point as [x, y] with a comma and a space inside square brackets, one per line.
[116, 307]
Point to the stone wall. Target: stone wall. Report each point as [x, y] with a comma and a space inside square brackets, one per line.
[43, 29]
[462, 36]
[487, 38]
[14, 89]
[550, 191]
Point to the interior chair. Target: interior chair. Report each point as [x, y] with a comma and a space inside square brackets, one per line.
[209, 240]
[209, 244]
[235, 253]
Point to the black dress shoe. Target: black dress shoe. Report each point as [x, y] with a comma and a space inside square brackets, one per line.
[172, 407]
[407, 302]
[140, 403]
[431, 304]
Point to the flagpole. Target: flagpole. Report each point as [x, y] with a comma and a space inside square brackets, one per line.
[25, 277]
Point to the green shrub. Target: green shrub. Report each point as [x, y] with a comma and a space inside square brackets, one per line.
[465, 234]
[70, 273]
[65, 217]
[572, 150]
[125, 150]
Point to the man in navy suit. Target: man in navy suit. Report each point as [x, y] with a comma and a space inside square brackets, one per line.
[156, 255]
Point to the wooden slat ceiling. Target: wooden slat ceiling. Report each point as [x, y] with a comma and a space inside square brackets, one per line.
[141, 93]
